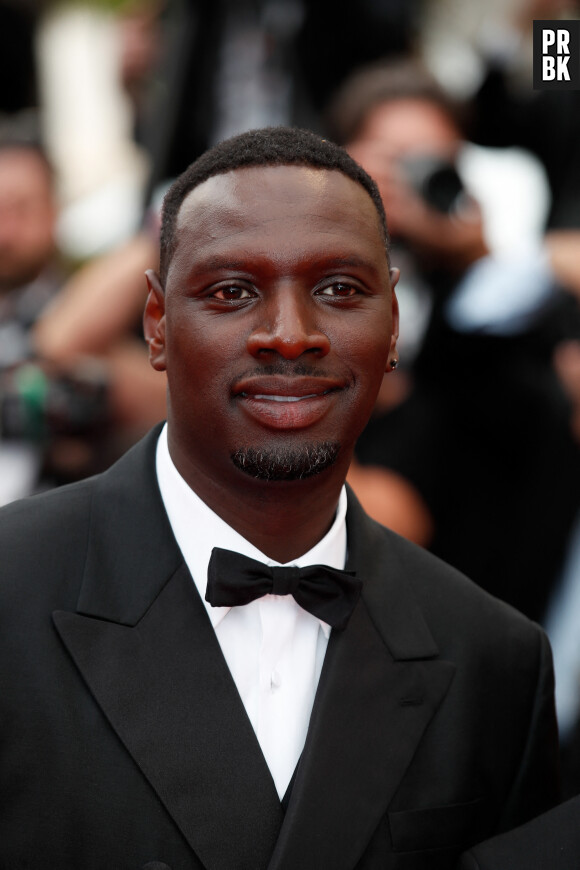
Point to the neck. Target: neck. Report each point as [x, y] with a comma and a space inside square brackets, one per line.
[282, 519]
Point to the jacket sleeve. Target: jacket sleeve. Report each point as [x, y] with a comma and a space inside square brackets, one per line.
[536, 786]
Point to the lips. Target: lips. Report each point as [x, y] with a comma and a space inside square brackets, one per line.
[287, 402]
[268, 398]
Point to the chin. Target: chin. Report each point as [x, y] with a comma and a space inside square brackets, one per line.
[285, 462]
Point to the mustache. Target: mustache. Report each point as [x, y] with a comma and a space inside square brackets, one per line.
[285, 368]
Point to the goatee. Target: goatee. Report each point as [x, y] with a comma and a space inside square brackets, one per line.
[286, 463]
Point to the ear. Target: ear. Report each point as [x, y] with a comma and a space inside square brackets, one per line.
[394, 276]
[154, 321]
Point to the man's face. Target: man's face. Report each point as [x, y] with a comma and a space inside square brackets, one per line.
[276, 323]
[27, 217]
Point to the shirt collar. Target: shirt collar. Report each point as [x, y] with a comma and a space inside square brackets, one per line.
[198, 530]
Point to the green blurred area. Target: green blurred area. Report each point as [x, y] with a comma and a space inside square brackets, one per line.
[106, 5]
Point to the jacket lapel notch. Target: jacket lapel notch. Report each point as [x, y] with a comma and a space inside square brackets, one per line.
[129, 537]
[387, 588]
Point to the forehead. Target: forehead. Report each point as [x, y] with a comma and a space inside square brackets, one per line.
[23, 168]
[288, 212]
[411, 125]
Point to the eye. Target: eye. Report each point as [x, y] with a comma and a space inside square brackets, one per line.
[338, 290]
[232, 293]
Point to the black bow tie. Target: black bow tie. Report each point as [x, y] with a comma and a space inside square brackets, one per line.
[327, 593]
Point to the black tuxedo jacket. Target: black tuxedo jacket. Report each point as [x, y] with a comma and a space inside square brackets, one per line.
[550, 842]
[123, 740]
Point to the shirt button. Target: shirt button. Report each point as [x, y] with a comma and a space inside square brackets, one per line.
[275, 680]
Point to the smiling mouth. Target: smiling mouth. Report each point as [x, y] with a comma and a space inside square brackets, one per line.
[267, 397]
[287, 403]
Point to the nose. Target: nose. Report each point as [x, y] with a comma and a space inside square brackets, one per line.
[288, 327]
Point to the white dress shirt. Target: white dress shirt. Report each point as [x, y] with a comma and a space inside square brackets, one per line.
[273, 648]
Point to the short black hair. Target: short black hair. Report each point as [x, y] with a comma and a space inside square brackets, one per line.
[270, 146]
[21, 132]
[384, 82]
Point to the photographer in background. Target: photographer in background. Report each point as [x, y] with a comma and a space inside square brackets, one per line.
[479, 435]
[45, 412]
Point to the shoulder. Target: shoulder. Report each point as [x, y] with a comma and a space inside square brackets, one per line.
[465, 621]
[42, 522]
[43, 539]
[47, 541]
[436, 583]
[40, 518]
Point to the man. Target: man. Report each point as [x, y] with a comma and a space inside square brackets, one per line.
[30, 277]
[27, 215]
[53, 411]
[550, 842]
[155, 712]
[70, 371]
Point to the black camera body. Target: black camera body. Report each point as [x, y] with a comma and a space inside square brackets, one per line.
[437, 181]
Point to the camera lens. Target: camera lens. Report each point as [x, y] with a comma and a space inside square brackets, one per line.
[437, 181]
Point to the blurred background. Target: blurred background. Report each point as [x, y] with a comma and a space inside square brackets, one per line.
[473, 450]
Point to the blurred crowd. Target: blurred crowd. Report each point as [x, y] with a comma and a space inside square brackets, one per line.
[473, 449]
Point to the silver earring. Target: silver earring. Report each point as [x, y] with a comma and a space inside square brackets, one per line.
[393, 364]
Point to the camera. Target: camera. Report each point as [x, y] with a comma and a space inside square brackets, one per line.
[36, 406]
[435, 180]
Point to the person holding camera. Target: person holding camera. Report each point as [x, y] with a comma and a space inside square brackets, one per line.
[483, 403]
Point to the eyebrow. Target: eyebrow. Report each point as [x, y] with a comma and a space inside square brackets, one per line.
[213, 263]
[337, 262]
[352, 261]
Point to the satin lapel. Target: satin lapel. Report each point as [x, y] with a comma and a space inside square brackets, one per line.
[380, 686]
[150, 657]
